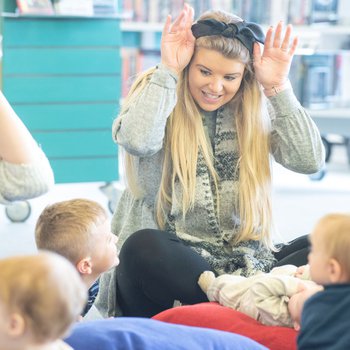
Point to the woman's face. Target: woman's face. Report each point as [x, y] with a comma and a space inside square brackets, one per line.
[214, 79]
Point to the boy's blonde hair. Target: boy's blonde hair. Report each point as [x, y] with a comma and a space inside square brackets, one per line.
[46, 290]
[68, 227]
[333, 230]
[185, 137]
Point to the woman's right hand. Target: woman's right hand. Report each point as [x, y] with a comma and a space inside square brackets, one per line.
[177, 44]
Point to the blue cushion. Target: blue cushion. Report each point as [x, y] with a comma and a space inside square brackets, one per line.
[141, 333]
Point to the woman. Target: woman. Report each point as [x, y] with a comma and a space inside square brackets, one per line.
[198, 133]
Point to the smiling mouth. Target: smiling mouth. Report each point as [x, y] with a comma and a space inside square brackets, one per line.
[211, 96]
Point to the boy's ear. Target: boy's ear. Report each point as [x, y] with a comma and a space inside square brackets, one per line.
[84, 266]
[335, 271]
[16, 325]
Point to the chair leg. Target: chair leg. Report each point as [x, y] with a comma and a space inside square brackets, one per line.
[328, 148]
[347, 145]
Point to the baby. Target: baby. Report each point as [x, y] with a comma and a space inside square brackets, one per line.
[41, 296]
[265, 297]
[79, 229]
[325, 315]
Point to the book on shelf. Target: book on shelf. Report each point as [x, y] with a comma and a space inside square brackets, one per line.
[224, 5]
[305, 12]
[299, 12]
[343, 77]
[316, 88]
[35, 7]
[324, 11]
[105, 7]
[135, 61]
[74, 8]
[130, 67]
[319, 81]
[296, 75]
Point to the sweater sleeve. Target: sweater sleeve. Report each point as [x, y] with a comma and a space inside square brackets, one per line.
[295, 140]
[25, 181]
[141, 128]
[228, 290]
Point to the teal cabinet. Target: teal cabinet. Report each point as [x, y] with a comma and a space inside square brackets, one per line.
[62, 75]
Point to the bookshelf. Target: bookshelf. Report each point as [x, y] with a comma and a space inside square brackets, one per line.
[62, 75]
[338, 123]
[323, 55]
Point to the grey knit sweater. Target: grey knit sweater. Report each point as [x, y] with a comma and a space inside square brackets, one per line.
[295, 144]
[25, 181]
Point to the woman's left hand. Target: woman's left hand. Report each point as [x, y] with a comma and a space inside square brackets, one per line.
[272, 66]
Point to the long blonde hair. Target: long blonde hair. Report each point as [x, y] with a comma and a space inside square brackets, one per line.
[185, 137]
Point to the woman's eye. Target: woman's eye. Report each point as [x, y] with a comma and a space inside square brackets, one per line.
[229, 78]
[205, 72]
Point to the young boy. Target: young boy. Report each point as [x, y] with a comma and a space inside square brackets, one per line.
[325, 316]
[41, 296]
[79, 229]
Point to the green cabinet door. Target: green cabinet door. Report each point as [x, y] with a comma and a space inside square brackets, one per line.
[62, 77]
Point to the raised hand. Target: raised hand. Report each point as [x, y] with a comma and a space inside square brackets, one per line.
[272, 66]
[177, 44]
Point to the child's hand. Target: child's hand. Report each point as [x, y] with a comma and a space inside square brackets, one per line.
[205, 280]
[305, 290]
[303, 272]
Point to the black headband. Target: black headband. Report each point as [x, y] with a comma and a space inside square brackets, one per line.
[246, 32]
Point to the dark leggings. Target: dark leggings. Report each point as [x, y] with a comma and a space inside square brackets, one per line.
[295, 252]
[156, 268]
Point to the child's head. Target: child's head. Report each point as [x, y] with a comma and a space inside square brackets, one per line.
[78, 229]
[330, 245]
[40, 297]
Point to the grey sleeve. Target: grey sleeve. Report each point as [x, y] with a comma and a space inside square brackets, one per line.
[106, 300]
[141, 128]
[25, 181]
[295, 140]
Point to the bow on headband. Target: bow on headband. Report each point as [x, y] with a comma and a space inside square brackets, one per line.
[246, 32]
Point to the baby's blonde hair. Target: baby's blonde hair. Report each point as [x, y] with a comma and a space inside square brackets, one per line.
[333, 231]
[46, 290]
[68, 227]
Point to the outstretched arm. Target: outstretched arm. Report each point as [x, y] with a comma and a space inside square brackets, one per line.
[17, 145]
[25, 171]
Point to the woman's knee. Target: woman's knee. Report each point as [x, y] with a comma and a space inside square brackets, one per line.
[142, 247]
